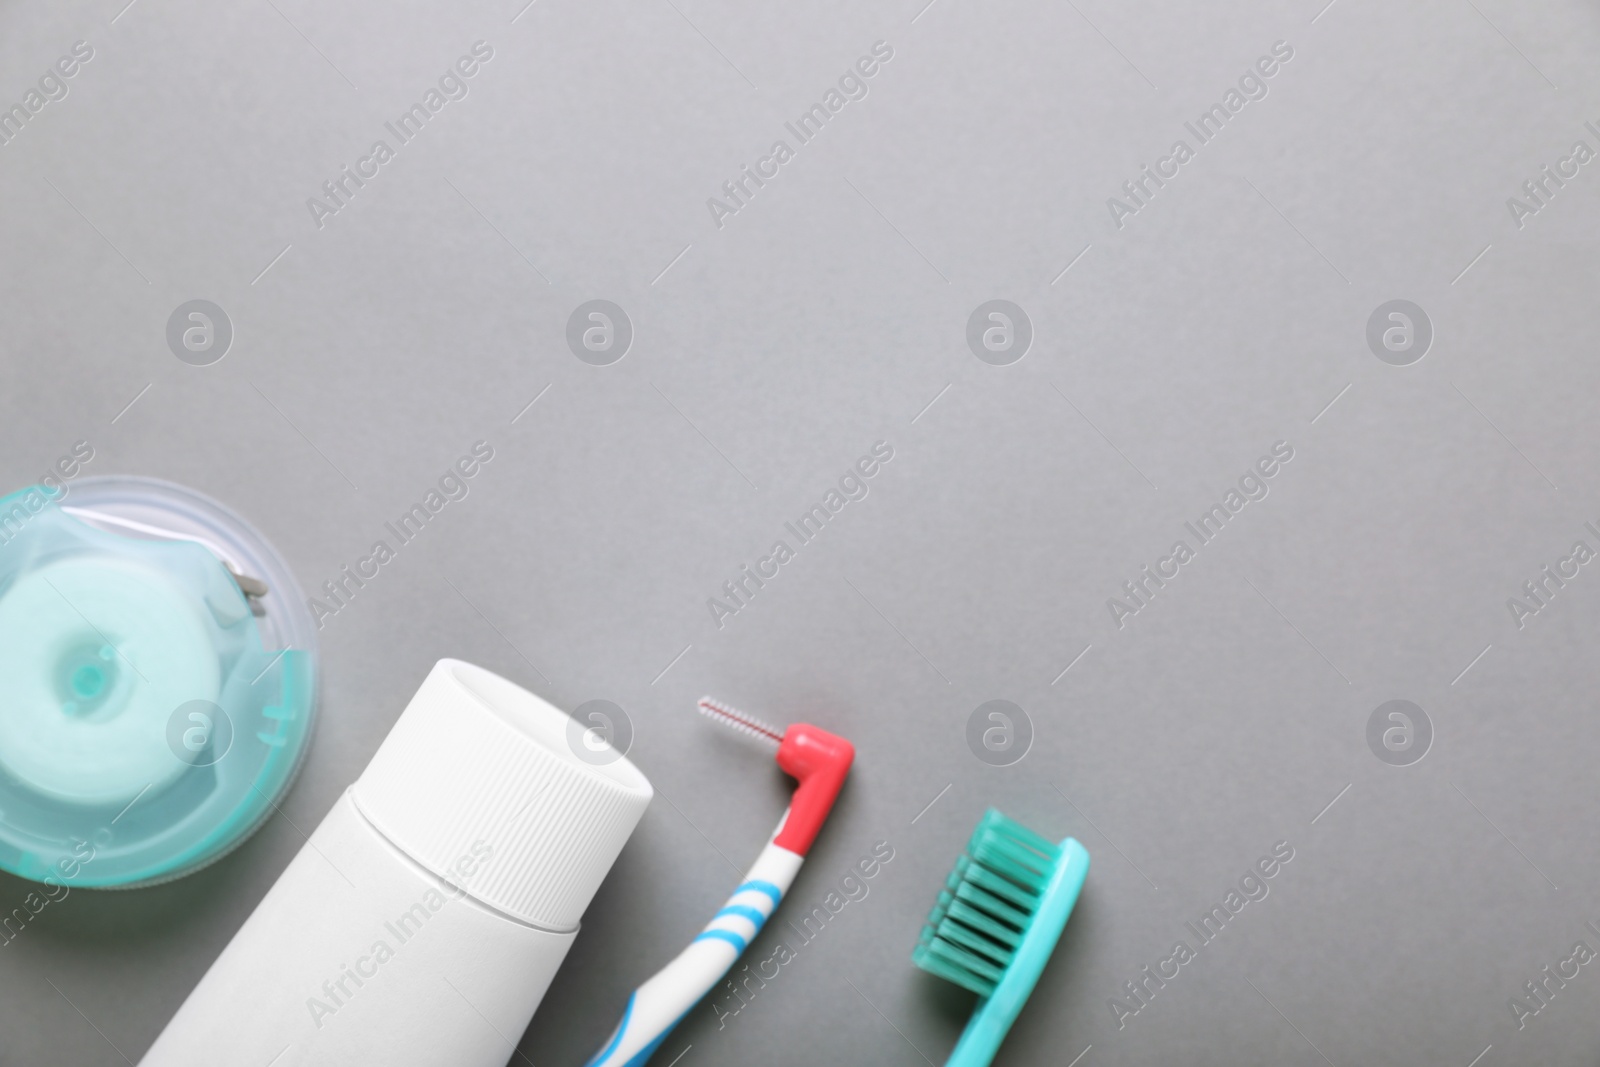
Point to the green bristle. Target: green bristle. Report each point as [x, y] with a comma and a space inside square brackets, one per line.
[984, 908]
[987, 925]
[982, 898]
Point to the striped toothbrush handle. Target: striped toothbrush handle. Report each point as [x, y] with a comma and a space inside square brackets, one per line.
[661, 1002]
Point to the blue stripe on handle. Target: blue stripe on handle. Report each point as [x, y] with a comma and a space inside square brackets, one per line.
[762, 887]
[644, 1054]
[649, 1050]
[616, 1038]
[744, 912]
[735, 940]
[739, 944]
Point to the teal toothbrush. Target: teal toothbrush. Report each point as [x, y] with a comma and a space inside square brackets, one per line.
[997, 921]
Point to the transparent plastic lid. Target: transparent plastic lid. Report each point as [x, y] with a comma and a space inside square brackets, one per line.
[157, 681]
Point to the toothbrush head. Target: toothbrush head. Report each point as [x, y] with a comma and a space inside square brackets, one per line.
[819, 760]
[996, 922]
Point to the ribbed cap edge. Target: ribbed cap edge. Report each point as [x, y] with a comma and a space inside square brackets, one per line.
[477, 762]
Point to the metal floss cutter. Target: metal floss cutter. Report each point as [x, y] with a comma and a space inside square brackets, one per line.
[157, 681]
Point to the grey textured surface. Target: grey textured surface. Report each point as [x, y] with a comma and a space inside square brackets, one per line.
[1229, 312]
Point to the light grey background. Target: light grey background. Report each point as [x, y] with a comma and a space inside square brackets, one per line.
[829, 313]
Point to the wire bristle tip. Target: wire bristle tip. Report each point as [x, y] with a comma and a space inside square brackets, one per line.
[738, 720]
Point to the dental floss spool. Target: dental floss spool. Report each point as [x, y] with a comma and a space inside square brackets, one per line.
[426, 916]
[152, 711]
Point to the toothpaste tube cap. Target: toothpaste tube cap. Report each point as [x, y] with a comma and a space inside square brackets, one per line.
[476, 762]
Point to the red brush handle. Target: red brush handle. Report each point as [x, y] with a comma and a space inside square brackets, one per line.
[820, 761]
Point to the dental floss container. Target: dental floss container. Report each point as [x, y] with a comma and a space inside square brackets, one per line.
[426, 916]
[158, 669]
